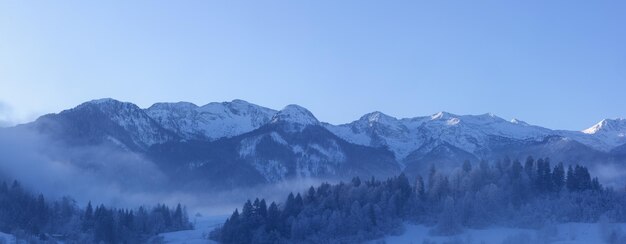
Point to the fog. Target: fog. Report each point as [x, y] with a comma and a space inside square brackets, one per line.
[111, 176]
[5, 115]
[610, 174]
[102, 174]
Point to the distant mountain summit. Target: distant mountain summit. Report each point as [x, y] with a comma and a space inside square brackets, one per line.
[221, 140]
[211, 121]
[104, 121]
[606, 126]
[471, 133]
[295, 117]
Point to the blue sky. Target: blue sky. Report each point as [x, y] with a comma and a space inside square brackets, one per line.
[559, 64]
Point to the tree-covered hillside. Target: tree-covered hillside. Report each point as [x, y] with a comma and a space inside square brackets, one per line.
[36, 220]
[505, 193]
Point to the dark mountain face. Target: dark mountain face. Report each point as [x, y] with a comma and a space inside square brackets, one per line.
[272, 153]
[444, 157]
[559, 149]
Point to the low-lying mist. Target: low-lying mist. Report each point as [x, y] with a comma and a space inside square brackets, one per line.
[105, 174]
[5, 115]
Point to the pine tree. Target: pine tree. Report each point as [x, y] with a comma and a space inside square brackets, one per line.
[582, 177]
[290, 207]
[448, 223]
[529, 167]
[484, 166]
[558, 177]
[595, 184]
[543, 179]
[262, 210]
[4, 188]
[273, 217]
[570, 181]
[248, 211]
[310, 196]
[298, 203]
[178, 218]
[467, 166]
[431, 177]
[41, 214]
[356, 181]
[516, 170]
[420, 188]
[506, 163]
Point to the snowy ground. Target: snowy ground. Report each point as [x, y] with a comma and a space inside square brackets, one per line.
[6, 238]
[203, 225]
[570, 233]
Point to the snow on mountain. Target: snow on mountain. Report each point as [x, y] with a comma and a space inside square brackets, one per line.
[468, 132]
[163, 122]
[380, 130]
[608, 126]
[295, 117]
[604, 136]
[141, 128]
[219, 141]
[211, 121]
[485, 125]
[308, 159]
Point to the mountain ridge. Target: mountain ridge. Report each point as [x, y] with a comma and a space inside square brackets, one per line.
[402, 135]
[267, 145]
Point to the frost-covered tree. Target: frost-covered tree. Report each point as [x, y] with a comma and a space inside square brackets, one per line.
[505, 194]
[35, 218]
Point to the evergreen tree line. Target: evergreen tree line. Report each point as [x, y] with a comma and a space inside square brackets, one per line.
[36, 220]
[505, 193]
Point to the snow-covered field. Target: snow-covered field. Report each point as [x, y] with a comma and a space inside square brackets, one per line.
[202, 226]
[570, 233]
[6, 238]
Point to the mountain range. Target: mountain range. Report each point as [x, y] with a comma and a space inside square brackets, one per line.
[237, 143]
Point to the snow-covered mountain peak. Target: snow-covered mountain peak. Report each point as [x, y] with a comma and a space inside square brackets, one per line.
[237, 107]
[103, 101]
[110, 106]
[239, 104]
[608, 126]
[442, 116]
[378, 117]
[488, 116]
[211, 121]
[295, 114]
[240, 101]
[112, 117]
[445, 118]
[173, 106]
[472, 133]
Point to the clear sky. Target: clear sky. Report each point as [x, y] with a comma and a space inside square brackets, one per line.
[559, 64]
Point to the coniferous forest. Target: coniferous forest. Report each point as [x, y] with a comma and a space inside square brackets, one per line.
[507, 193]
[34, 219]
